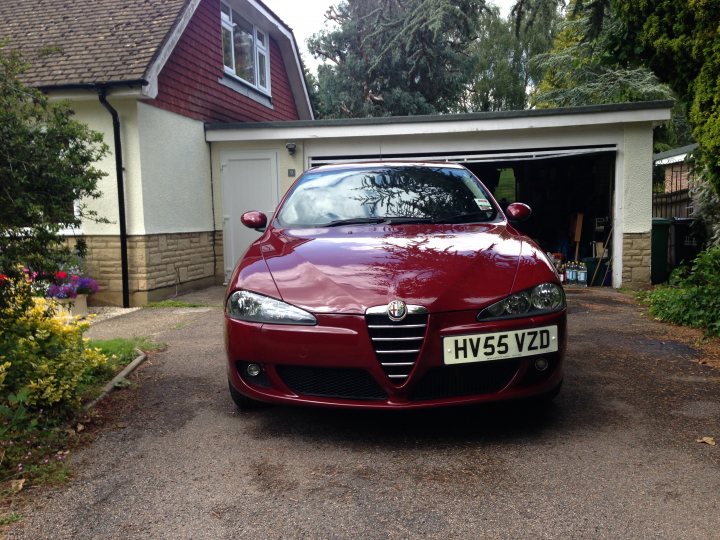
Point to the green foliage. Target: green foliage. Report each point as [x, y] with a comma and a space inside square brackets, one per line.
[692, 298]
[501, 70]
[46, 369]
[506, 188]
[45, 360]
[14, 415]
[680, 41]
[393, 57]
[706, 202]
[579, 71]
[676, 133]
[46, 165]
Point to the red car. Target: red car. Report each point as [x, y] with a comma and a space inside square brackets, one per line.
[392, 286]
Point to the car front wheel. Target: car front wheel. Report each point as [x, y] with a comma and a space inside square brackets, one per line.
[242, 402]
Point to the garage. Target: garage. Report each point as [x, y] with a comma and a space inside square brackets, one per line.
[586, 172]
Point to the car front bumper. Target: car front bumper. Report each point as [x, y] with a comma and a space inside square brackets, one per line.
[334, 364]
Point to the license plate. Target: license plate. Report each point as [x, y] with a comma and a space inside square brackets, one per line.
[499, 345]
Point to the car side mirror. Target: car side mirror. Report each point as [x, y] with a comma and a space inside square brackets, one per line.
[254, 220]
[518, 212]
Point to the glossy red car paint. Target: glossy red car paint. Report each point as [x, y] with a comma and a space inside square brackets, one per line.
[453, 270]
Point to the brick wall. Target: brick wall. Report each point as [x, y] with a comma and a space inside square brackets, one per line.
[677, 177]
[636, 260]
[188, 84]
[159, 265]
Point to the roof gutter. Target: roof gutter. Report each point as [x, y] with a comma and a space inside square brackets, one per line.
[93, 86]
[102, 95]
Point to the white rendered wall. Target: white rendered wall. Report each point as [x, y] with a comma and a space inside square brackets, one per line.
[176, 189]
[88, 110]
[633, 190]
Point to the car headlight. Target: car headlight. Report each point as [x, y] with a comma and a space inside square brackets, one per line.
[253, 307]
[544, 298]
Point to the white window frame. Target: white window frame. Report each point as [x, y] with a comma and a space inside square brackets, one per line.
[259, 50]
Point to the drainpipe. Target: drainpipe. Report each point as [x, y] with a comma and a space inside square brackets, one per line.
[102, 95]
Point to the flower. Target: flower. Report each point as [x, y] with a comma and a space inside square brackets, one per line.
[69, 286]
[62, 291]
[3, 279]
[87, 285]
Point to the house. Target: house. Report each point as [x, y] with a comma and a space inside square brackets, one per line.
[149, 74]
[208, 113]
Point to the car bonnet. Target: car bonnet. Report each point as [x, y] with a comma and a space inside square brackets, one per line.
[348, 269]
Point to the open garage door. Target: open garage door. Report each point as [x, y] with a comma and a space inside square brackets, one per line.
[570, 190]
[467, 156]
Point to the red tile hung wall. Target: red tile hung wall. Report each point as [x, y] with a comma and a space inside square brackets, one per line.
[188, 84]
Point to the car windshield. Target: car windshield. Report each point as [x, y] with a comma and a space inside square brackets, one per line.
[397, 194]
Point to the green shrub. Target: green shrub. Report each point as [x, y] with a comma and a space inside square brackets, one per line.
[44, 359]
[46, 369]
[692, 297]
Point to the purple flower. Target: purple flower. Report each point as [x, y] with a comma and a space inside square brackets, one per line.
[87, 285]
[71, 286]
[62, 291]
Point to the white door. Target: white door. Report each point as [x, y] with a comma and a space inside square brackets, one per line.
[250, 182]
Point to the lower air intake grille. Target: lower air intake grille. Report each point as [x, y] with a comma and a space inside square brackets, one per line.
[342, 383]
[397, 343]
[469, 380]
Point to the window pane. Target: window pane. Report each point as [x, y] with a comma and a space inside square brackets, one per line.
[244, 49]
[262, 70]
[227, 47]
[225, 10]
[261, 39]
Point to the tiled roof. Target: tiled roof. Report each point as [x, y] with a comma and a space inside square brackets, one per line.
[71, 42]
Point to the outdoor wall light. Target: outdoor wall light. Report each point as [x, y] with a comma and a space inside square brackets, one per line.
[291, 148]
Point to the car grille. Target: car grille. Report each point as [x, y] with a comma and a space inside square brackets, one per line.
[397, 343]
[466, 380]
[343, 383]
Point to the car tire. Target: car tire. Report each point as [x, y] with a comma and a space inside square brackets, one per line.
[242, 402]
[548, 397]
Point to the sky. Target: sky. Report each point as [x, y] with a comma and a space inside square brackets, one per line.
[306, 17]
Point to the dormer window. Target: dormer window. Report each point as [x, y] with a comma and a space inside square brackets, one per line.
[245, 50]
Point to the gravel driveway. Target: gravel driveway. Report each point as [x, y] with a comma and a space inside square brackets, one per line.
[615, 457]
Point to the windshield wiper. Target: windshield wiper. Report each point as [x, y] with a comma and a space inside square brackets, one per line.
[355, 221]
[463, 218]
[389, 220]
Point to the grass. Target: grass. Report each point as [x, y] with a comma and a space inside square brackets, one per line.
[506, 186]
[12, 517]
[121, 351]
